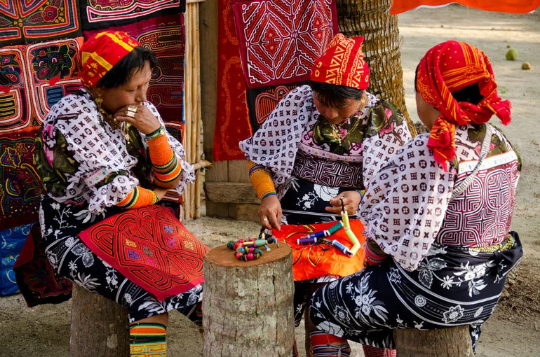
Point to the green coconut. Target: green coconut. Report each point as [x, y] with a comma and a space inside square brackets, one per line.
[512, 54]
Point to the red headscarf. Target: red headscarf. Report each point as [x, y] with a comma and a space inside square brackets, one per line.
[445, 69]
[101, 52]
[342, 63]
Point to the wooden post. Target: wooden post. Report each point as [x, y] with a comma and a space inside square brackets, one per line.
[99, 326]
[446, 342]
[248, 306]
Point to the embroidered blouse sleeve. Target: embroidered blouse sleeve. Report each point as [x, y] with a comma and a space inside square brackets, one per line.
[187, 174]
[405, 203]
[275, 144]
[86, 162]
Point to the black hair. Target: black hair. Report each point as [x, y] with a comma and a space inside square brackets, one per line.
[335, 95]
[470, 94]
[122, 72]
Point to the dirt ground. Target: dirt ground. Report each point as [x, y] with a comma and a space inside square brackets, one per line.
[514, 330]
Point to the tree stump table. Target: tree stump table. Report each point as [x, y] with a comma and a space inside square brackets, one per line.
[446, 342]
[248, 306]
[99, 326]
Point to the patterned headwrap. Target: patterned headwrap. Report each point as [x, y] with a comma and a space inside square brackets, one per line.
[342, 63]
[101, 52]
[445, 69]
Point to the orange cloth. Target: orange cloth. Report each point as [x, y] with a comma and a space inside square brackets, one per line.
[511, 6]
[342, 63]
[101, 52]
[314, 261]
[445, 69]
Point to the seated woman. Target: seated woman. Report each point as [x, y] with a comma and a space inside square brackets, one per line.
[105, 151]
[323, 142]
[437, 214]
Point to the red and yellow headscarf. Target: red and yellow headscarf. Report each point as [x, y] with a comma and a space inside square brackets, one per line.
[445, 69]
[101, 52]
[342, 63]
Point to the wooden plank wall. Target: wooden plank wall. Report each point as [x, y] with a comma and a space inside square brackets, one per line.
[227, 205]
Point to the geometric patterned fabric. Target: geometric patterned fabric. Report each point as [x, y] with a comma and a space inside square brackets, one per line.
[26, 21]
[39, 47]
[150, 247]
[278, 42]
[32, 79]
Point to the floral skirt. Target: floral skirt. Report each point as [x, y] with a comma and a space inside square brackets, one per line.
[453, 286]
[72, 259]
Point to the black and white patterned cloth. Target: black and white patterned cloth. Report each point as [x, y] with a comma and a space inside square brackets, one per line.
[92, 168]
[449, 257]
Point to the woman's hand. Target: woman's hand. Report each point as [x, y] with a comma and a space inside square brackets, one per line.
[160, 192]
[140, 117]
[270, 212]
[351, 200]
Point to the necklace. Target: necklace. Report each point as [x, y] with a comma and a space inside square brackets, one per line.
[111, 120]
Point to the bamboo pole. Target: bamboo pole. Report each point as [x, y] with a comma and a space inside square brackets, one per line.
[188, 105]
[198, 122]
[192, 109]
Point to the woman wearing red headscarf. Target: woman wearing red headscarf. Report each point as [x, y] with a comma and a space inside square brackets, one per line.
[321, 144]
[437, 214]
[105, 159]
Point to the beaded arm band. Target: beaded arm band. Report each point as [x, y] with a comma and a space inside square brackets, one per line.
[261, 180]
[138, 197]
[374, 254]
[164, 162]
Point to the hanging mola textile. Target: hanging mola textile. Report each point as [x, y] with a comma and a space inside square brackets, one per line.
[270, 53]
[510, 6]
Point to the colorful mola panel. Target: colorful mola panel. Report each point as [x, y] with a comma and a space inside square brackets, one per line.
[33, 78]
[100, 14]
[31, 21]
[20, 185]
[262, 101]
[15, 106]
[281, 39]
[52, 70]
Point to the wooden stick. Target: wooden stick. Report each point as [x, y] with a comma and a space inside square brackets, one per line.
[198, 123]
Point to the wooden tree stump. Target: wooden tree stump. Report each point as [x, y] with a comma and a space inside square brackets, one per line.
[446, 342]
[248, 306]
[99, 326]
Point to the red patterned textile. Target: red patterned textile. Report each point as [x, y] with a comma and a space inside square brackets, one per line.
[232, 118]
[511, 6]
[445, 69]
[313, 261]
[25, 21]
[342, 63]
[279, 42]
[36, 278]
[33, 78]
[166, 37]
[281, 39]
[150, 247]
[99, 14]
[262, 101]
[101, 52]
